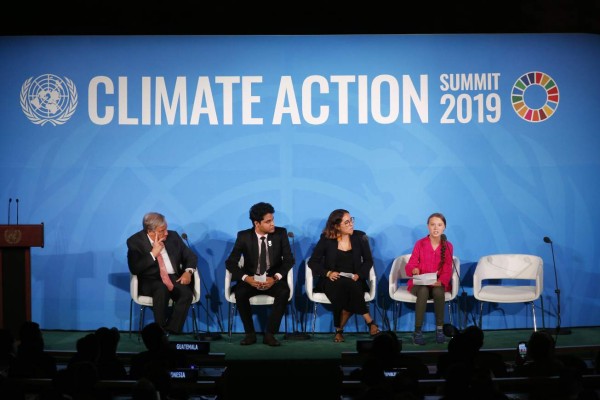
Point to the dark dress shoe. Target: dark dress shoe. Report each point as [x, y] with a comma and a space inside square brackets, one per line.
[270, 340]
[249, 339]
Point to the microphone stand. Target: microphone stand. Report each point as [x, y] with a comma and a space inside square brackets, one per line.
[208, 335]
[296, 335]
[558, 330]
[463, 295]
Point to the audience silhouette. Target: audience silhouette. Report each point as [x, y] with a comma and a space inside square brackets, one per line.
[80, 382]
[109, 364]
[541, 359]
[468, 373]
[158, 352]
[465, 381]
[31, 360]
[465, 347]
[386, 371]
[144, 389]
[7, 359]
[87, 349]
[157, 361]
[7, 351]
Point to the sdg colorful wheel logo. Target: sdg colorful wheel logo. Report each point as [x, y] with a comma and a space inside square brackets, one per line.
[535, 96]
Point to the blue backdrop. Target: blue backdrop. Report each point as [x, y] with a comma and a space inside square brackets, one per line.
[498, 132]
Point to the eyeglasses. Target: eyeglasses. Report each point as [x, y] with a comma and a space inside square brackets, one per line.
[348, 221]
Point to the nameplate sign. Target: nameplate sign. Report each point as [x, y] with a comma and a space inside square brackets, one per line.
[191, 347]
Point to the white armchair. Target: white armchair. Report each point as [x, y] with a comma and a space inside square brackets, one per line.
[259, 300]
[518, 278]
[146, 301]
[399, 293]
[317, 297]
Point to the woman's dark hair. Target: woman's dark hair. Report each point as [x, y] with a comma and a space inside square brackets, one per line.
[259, 210]
[332, 229]
[444, 239]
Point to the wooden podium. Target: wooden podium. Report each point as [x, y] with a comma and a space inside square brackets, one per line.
[15, 272]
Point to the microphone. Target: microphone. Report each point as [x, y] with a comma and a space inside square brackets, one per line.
[558, 330]
[208, 335]
[9, 201]
[452, 330]
[291, 236]
[296, 335]
[17, 200]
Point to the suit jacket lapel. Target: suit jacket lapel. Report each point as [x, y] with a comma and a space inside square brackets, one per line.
[145, 241]
[269, 239]
[171, 252]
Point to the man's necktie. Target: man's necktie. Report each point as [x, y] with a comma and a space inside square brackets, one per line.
[262, 259]
[164, 275]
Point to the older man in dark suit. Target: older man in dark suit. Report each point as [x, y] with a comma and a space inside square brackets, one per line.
[165, 269]
[268, 259]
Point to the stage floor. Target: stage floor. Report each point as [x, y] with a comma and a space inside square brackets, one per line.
[320, 346]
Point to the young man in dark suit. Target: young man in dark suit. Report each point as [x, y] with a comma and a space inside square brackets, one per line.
[146, 251]
[252, 278]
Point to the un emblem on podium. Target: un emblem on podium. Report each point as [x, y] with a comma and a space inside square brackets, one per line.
[12, 236]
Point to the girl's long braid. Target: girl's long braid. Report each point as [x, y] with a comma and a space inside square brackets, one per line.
[443, 252]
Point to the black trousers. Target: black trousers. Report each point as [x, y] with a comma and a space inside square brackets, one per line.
[345, 294]
[279, 291]
[182, 296]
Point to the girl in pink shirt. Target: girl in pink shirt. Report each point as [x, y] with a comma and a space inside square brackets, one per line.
[431, 254]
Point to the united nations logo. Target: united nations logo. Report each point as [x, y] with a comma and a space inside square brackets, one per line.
[12, 236]
[48, 98]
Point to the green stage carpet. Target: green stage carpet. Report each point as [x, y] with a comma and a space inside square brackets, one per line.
[321, 346]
